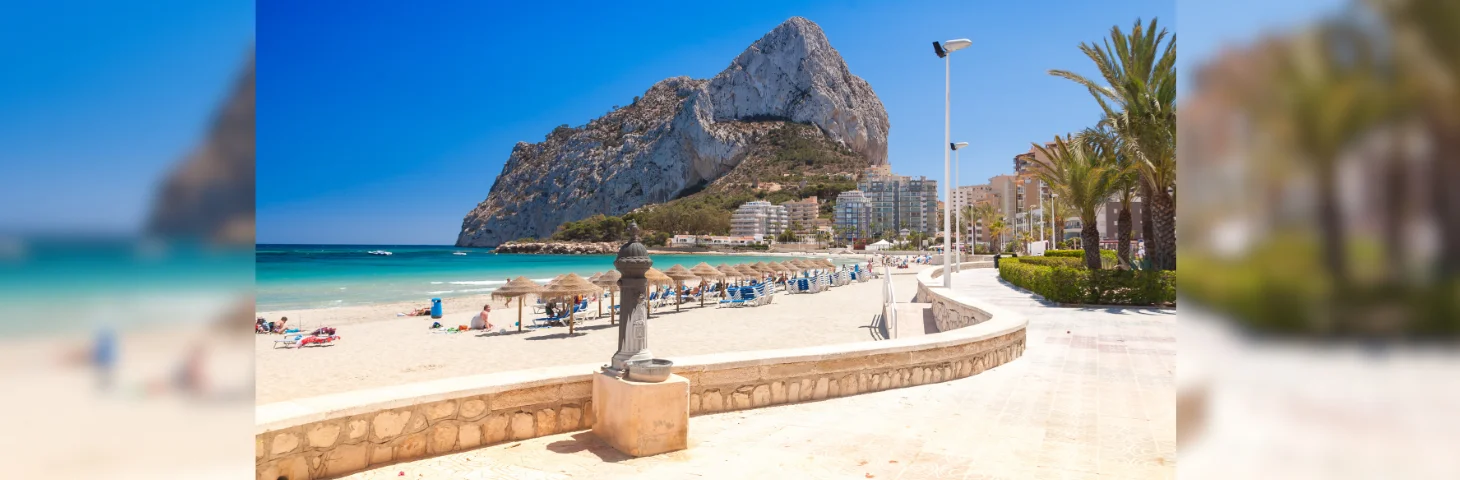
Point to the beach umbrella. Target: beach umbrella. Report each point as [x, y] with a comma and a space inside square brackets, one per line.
[749, 272]
[730, 274]
[518, 288]
[705, 272]
[594, 280]
[679, 274]
[657, 279]
[609, 281]
[567, 287]
[781, 267]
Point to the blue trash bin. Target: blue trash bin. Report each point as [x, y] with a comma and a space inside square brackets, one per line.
[435, 308]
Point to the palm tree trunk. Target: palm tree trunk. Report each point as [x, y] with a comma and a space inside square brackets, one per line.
[1445, 199]
[1395, 177]
[1148, 225]
[1330, 225]
[1163, 255]
[1090, 237]
[1122, 235]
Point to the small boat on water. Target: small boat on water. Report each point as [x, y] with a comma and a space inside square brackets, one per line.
[458, 253]
[379, 252]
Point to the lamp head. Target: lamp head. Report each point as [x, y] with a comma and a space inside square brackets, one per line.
[958, 145]
[956, 45]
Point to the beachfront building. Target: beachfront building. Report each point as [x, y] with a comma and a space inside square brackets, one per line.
[900, 201]
[802, 214]
[853, 215]
[758, 219]
[712, 241]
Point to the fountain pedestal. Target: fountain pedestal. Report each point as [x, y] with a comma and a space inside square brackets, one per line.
[638, 418]
[641, 419]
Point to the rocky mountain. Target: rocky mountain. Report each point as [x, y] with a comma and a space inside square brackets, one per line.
[681, 135]
[210, 196]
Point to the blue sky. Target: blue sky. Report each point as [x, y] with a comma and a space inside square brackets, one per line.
[99, 99]
[386, 123]
[383, 123]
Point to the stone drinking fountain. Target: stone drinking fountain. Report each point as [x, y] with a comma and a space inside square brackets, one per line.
[639, 406]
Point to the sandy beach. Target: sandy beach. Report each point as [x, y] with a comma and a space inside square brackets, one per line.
[378, 348]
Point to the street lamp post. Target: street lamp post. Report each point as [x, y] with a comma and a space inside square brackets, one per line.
[943, 50]
[957, 209]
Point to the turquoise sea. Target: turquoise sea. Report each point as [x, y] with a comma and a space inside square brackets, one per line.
[68, 284]
[320, 276]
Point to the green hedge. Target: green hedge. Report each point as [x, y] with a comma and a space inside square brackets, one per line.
[1107, 257]
[1055, 261]
[1074, 284]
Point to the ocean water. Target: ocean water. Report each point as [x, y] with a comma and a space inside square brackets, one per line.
[322, 276]
[63, 285]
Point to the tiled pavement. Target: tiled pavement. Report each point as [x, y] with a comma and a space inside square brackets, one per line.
[1092, 397]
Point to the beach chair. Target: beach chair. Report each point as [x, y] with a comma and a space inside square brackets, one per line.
[288, 341]
[747, 297]
[732, 297]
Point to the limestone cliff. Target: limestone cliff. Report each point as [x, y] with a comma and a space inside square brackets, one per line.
[210, 196]
[683, 132]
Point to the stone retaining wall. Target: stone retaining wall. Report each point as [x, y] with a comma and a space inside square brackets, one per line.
[334, 435]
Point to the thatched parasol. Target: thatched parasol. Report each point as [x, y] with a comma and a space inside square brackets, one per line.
[518, 288]
[679, 274]
[569, 286]
[599, 299]
[749, 271]
[656, 278]
[609, 281]
[826, 263]
[706, 272]
[781, 267]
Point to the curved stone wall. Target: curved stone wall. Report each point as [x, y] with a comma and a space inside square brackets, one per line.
[338, 434]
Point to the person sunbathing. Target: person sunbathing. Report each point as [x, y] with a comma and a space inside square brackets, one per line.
[279, 327]
[480, 322]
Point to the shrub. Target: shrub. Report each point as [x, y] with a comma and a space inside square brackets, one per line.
[1055, 261]
[1107, 257]
[1061, 281]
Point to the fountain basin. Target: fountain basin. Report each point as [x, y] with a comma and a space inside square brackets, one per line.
[649, 371]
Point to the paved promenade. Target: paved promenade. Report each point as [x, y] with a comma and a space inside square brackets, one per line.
[1092, 397]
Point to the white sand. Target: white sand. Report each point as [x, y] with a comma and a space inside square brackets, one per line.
[377, 348]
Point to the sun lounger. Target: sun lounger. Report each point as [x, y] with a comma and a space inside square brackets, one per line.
[288, 341]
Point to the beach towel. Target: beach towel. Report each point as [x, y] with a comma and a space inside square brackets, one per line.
[317, 340]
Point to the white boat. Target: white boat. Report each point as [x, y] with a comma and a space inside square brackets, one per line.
[458, 253]
[380, 252]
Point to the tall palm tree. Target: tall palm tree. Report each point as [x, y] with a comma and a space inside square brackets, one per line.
[1107, 145]
[995, 231]
[1431, 24]
[1139, 99]
[1074, 171]
[1323, 101]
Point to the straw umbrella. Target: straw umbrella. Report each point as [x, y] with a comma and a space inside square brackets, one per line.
[518, 288]
[679, 274]
[730, 274]
[599, 301]
[749, 271]
[705, 272]
[656, 278]
[571, 285]
[609, 281]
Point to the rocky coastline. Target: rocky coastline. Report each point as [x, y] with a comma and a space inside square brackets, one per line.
[559, 248]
